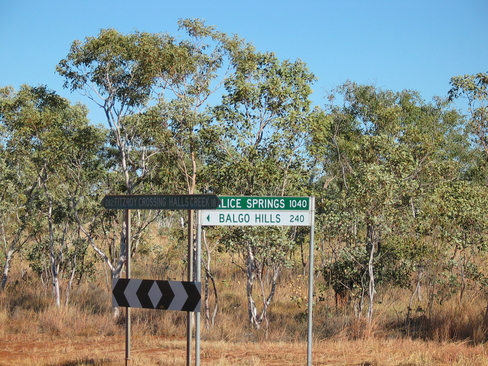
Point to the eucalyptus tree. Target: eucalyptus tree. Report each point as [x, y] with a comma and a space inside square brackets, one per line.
[182, 115]
[474, 90]
[17, 185]
[263, 121]
[182, 120]
[383, 152]
[54, 143]
[153, 89]
[118, 73]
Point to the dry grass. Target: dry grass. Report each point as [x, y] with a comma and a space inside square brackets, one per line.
[80, 351]
[34, 333]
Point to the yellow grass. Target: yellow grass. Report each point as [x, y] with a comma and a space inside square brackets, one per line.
[35, 333]
[80, 351]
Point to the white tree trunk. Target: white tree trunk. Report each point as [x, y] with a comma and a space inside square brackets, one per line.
[6, 268]
[372, 287]
[251, 274]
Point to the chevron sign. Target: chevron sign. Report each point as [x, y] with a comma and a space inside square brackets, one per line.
[153, 294]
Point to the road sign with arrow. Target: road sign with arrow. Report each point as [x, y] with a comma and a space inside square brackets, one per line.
[259, 211]
[161, 202]
[154, 294]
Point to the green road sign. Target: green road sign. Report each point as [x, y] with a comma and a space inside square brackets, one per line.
[161, 202]
[259, 211]
[264, 203]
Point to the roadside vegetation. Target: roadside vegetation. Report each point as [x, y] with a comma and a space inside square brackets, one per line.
[36, 332]
[400, 186]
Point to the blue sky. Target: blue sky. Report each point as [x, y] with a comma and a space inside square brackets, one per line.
[417, 44]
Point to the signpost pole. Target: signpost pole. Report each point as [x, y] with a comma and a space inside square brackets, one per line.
[310, 283]
[190, 278]
[127, 275]
[198, 279]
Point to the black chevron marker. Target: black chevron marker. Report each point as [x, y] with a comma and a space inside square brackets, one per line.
[118, 291]
[194, 297]
[168, 295]
[143, 294]
[152, 294]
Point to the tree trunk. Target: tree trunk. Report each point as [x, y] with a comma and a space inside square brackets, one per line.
[255, 270]
[251, 274]
[372, 247]
[209, 319]
[6, 268]
[70, 282]
[52, 254]
[274, 279]
[372, 289]
[56, 291]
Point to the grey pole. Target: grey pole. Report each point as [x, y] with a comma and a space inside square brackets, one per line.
[190, 278]
[127, 275]
[198, 279]
[310, 283]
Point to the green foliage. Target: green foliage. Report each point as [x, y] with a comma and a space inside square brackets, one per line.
[347, 272]
[400, 183]
[118, 67]
[73, 258]
[474, 89]
[264, 121]
[385, 154]
[58, 164]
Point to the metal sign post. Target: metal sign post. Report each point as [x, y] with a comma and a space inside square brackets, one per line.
[127, 275]
[189, 325]
[311, 268]
[198, 274]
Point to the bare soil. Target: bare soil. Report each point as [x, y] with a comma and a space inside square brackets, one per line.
[37, 350]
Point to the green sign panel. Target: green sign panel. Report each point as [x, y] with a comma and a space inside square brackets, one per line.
[161, 202]
[264, 203]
